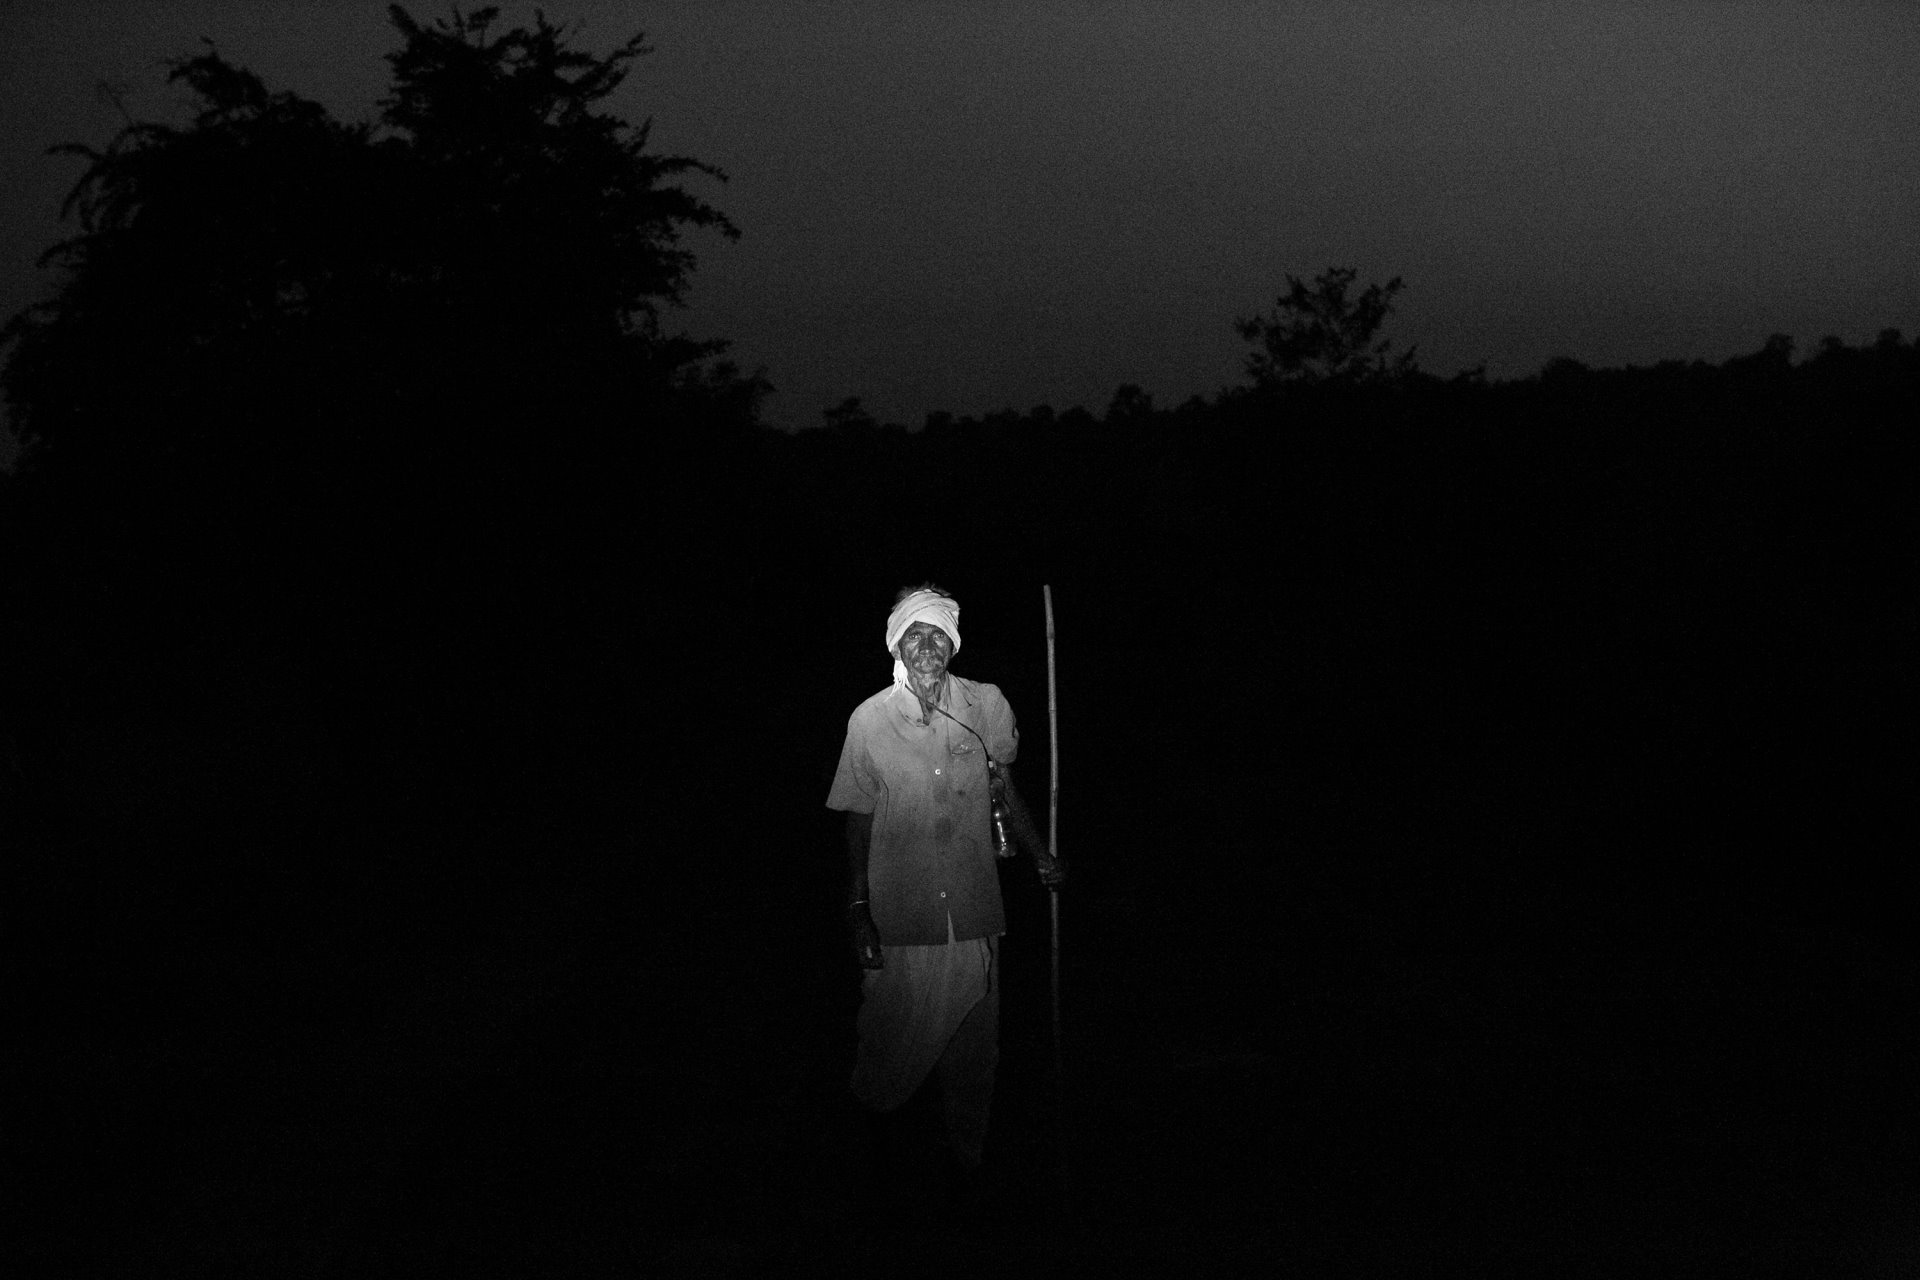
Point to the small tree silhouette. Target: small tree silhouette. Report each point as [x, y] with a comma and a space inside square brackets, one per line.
[1130, 403]
[1319, 333]
[850, 417]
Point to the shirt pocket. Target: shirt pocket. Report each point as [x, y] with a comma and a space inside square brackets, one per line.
[968, 759]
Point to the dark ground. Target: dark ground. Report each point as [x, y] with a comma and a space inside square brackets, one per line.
[579, 1007]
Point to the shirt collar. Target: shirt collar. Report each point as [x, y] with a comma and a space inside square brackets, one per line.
[907, 703]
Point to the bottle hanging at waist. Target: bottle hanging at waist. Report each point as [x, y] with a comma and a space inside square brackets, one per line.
[1003, 846]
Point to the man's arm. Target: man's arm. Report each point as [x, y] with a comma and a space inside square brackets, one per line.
[1053, 872]
[866, 938]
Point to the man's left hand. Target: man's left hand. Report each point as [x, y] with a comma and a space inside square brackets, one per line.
[1053, 872]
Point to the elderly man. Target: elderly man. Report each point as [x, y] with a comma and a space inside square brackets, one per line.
[923, 893]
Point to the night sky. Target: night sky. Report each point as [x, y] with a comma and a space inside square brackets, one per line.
[971, 206]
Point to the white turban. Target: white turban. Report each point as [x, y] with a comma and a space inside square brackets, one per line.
[922, 606]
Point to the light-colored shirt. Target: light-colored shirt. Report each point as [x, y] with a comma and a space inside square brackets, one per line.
[931, 858]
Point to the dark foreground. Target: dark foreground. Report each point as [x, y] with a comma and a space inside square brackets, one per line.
[1389, 1014]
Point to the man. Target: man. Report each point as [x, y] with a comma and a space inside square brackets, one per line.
[923, 892]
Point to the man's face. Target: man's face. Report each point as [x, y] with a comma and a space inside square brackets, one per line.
[925, 649]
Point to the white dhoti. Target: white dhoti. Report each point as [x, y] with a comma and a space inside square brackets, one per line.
[933, 1008]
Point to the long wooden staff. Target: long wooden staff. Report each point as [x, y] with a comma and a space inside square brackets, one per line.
[1053, 894]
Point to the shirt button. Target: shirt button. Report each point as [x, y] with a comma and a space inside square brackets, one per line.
[943, 893]
[936, 772]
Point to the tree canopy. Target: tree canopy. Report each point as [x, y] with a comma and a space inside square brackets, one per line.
[480, 275]
[1322, 333]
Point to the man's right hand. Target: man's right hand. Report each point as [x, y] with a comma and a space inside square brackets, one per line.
[866, 938]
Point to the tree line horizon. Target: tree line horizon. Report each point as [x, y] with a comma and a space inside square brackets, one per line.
[326, 371]
[228, 196]
[261, 508]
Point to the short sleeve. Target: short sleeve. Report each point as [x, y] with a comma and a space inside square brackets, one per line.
[1003, 734]
[855, 788]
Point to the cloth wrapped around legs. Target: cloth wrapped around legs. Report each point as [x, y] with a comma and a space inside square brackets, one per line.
[933, 1007]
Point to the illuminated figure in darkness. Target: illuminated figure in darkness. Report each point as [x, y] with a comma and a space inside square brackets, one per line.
[918, 772]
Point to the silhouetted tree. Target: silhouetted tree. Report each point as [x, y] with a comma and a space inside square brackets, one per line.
[538, 197]
[1130, 403]
[1774, 356]
[1563, 369]
[199, 250]
[477, 281]
[1320, 333]
[850, 417]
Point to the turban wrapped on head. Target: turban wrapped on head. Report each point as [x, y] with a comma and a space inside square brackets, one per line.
[922, 606]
